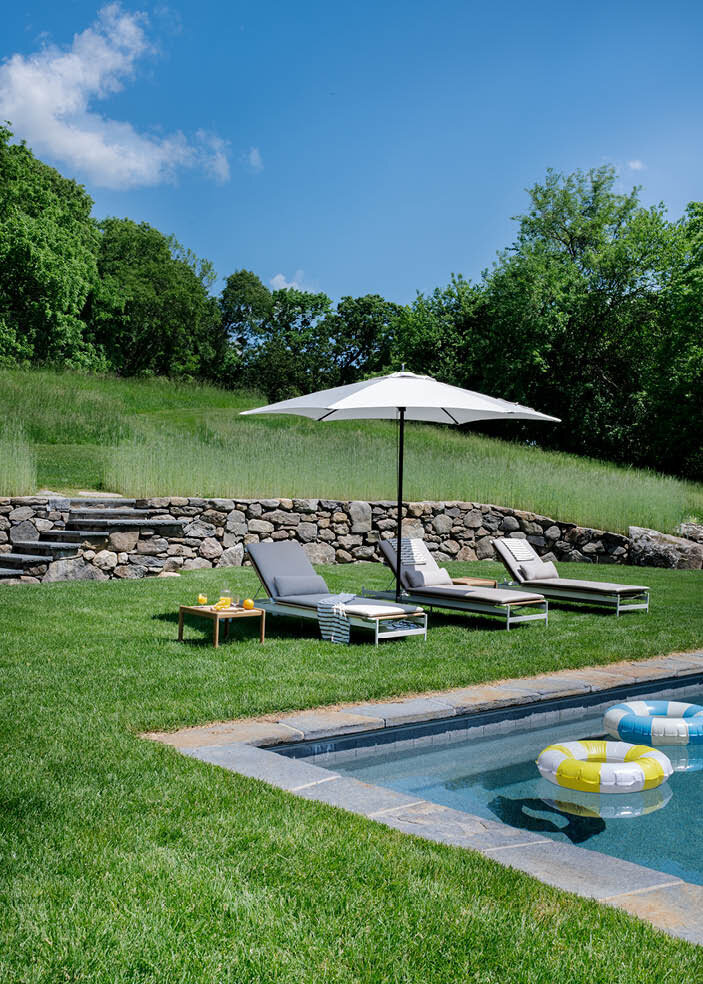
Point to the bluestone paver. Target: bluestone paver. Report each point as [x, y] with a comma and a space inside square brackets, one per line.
[677, 909]
[257, 763]
[576, 869]
[260, 733]
[486, 697]
[447, 826]
[326, 724]
[357, 796]
[406, 711]
[552, 686]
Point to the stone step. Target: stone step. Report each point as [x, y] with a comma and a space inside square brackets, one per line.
[46, 549]
[23, 560]
[100, 514]
[112, 525]
[100, 503]
[73, 536]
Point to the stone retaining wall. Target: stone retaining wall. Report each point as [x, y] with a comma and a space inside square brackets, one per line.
[216, 531]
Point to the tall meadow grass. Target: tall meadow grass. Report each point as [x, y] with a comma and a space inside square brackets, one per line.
[147, 437]
[18, 464]
[294, 457]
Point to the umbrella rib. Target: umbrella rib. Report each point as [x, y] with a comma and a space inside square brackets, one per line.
[451, 417]
[325, 415]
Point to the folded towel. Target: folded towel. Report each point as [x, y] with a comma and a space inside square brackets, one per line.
[334, 624]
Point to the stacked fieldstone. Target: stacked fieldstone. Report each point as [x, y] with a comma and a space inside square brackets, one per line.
[210, 533]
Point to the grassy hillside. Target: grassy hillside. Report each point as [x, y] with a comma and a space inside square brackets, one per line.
[150, 437]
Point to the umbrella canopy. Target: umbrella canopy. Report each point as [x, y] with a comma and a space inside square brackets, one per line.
[402, 396]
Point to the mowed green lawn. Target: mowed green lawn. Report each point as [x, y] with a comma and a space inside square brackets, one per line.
[124, 861]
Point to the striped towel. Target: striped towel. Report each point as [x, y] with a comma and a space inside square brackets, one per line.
[334, 624]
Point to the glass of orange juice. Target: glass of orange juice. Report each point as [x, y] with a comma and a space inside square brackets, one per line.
[202, 599]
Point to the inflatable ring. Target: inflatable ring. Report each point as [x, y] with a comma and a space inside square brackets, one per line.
[659, 722]
[604, 766]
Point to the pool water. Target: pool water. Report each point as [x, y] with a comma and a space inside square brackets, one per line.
[496, 778]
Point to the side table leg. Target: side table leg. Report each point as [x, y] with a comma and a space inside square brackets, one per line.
[180, 626]
[216, 632]
[263, 626]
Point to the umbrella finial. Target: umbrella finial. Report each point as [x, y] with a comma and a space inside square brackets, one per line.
[402, 367]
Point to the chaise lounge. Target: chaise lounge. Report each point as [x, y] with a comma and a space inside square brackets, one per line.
[427, 584]
[295, 589]
[530, 571]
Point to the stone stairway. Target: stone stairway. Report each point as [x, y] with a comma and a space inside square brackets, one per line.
[84, 521]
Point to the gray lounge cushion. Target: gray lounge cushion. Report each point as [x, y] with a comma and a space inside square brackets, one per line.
[533, 569]
[596, 587]
[458, 595]
[428, 577]
[304, 600]
[300, 584]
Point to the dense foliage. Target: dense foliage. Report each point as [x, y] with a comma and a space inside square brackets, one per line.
[594, 313]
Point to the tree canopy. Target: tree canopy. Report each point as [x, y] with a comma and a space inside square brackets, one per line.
[152, 313]
[48, 262]
[593, 314]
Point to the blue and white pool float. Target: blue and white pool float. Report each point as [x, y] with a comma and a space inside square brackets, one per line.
[659, 722]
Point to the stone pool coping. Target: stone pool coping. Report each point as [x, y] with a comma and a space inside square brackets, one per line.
[670, 903]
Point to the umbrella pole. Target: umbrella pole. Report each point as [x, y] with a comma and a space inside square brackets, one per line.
[401, 442]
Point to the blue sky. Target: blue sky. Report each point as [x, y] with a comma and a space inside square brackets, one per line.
[353, 148]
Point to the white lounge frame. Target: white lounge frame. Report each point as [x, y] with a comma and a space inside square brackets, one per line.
[459, 604]
[373, 623]
[632, 603]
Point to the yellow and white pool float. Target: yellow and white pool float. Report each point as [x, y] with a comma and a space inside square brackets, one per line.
[595, 766]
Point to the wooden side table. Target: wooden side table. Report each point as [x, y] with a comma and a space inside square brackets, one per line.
[223, 615]
[486, 582]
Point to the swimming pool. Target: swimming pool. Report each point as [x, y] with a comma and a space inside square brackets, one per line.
[495, 777]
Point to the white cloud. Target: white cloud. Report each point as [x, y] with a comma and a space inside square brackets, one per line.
[636, 165]
[255, 160]
[47, 97]
[279, 281]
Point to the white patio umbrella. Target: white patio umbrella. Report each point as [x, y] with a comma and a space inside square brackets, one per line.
[402, 396]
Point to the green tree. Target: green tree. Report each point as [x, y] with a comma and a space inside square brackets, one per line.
[362, 331]
[151, 312]
[290, 350]
[245, 303]
[444, 334]
[574, 311]
[676, 381]
[48, 262]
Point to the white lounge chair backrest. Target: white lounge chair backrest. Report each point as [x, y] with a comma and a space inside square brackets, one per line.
[515, 552]
[414, 555]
